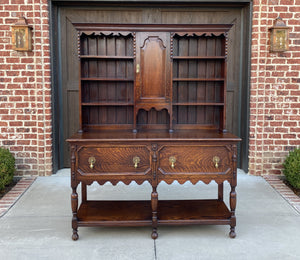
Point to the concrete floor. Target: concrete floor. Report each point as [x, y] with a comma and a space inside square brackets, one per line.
[38, 226]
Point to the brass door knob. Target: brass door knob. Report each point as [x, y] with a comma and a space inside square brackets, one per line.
[92, 161]
[216, 161]
[172, 161]
[136, 160]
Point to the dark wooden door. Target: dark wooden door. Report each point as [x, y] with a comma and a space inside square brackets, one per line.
[153, 67]
[153, 77]
[67, 58]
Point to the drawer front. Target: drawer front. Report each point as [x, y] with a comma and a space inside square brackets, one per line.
[114, 160]
[188, 159]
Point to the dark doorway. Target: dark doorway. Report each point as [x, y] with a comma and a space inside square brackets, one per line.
[65, 61]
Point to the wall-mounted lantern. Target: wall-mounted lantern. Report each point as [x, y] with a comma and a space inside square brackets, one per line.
[279, 36]
[21, 35]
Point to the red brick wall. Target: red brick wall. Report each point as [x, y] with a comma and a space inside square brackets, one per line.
[25, 89]
[275, 88]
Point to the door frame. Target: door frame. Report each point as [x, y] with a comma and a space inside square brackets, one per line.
[56, 82]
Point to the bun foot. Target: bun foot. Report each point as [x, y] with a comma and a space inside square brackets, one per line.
[75, 236]
[154, 234]
[232, 233]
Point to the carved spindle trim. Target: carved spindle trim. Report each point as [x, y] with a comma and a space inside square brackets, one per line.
[226, 46]
[73, 161]
[233, 150]
[154, 194]
[171, 48]
[234, 156]
[154, 160]
[154, 201]
[78, 44]
[233, 195]
[234, 163]
[232, 200]
[232, 233]
[74, 204]
[134, 44]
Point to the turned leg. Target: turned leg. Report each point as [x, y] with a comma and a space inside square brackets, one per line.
[232, 233]
[154, 200]
[74, 203]
[232, 197]
[220, 191]
[74, 195]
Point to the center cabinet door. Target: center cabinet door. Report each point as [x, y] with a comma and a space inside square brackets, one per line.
[153, 71]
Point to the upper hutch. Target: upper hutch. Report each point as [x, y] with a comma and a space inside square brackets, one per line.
[152, 108]
[152, 77]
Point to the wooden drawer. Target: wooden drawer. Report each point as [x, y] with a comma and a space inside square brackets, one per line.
[114, 160]
[194, 159]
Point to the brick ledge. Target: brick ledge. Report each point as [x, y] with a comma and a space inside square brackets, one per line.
[277, 184]
[15, 194]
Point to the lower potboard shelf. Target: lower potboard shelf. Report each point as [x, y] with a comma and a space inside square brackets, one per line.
[139, 213]
[115, 213]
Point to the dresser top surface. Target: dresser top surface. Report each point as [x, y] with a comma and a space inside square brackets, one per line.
[128, 135]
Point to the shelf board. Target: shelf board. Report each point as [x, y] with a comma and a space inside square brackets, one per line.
[170, 212]
[198, 79]
[207, 133]
[197, 104]
[106, 79]
[199, 57]
[106, 104]
[195, 126]
[193, 212]
[123, 213]
[106, 57]
[108, 127]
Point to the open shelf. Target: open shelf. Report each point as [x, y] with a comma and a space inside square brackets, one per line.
[107, 104]
[170, 212]
[115, 213]
[198, 104]
[106, 57]
[198, 79]
[192, 212]
[198, 57]
[106, 79]
[102, 127]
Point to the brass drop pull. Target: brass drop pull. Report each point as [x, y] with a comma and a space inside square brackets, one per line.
[216, 161]
[92, 161]
[172, 161]
[137, 68]
[136, 160]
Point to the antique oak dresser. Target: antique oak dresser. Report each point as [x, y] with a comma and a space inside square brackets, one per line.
[152, 108]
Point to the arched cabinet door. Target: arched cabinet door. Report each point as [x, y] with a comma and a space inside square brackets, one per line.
[153, 71]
